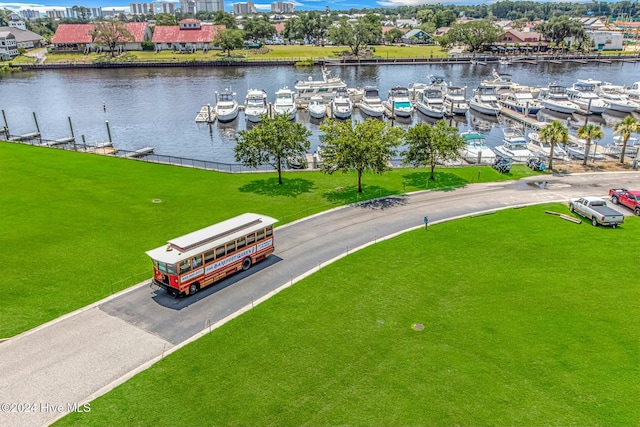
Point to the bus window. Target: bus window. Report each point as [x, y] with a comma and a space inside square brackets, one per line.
[241, 243]
[269, 230]
[251, 238]
[219, 251]
[171, 269]
[231, 246]
[260, 234]
[196, 261]
[209, 256]
[184, 266]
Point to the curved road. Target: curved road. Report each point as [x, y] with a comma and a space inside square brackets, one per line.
[86, 353]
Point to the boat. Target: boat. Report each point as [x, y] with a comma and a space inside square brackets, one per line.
[633, 92]
[455, 101]
[341, 105]
[543, 149]
[514, 147]
[226, 107]
[317, 108]
[500, 82]
[484, 101]
[555, 98]
[371, 104]
[326, 87]
[576, 148]
[616, 97]
[206, 114]
[255, 105]
[399, 103]
[615, 149]
[583, 94]
[476, 150]
[285, 103]
[430, 102]
[521, 100]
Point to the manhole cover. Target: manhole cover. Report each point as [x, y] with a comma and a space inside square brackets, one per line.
[418, 326]
[156, 200]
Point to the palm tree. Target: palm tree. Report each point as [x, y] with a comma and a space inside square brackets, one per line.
[554, 133]
[589, 132]
[628, 125]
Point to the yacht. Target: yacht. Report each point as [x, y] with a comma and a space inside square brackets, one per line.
[371, 104]
[514, 147]
[341, 105]
[615, 149]
[326, 87]
[521, 100]
[455, 101]
[633, 92]
[484, 101]
[476, 150]
[555, 98]
[399, 102]
[576, 149]
[226, 107]
[430, 102]
[285, 103]
[583, 94]
[500, 82]
[255, 105]
[543, 149]
[317, 108]
[616, 97]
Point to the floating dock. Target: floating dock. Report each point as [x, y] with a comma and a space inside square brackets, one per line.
[25, 137]
[527, 121]
[139, 153]
[206, 115]
[60, 141]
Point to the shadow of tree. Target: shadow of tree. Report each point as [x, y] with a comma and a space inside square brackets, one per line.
[383, 203]
[270, 187]
[444, 181]
[349, 194]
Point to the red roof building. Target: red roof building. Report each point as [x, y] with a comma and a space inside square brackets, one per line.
[190, 35]
[77, 37]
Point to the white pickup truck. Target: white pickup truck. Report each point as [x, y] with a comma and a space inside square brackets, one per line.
[596, 209]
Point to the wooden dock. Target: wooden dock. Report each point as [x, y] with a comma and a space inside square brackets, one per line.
[139, 153]
[60, 141]
[206, 115]
[527, 121]
[25, 137]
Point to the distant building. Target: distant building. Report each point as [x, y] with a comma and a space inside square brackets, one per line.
[190, 35]
[55, 14]
[113, 13]
[244, 8]
[8, 44]
[78, 37]
[92, 13]
[282, 7]
[416, 36]
[166, 7]
[23, 37]
[195, 6]
[606, 40]
[29, 14]
[153, 7]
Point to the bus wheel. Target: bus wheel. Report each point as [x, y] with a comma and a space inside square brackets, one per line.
[194, 288]
[246, 264]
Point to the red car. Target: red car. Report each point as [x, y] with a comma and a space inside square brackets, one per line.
[628, 198]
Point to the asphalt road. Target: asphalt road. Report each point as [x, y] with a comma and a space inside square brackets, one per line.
[88, 352]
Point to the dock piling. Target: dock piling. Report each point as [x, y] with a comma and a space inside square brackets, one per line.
[35, 119]
[6, 126]
[108, 130]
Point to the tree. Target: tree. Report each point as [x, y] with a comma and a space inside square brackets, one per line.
[430, 144]
[362, 146]
[259, 28]
[624, 128]
[165, 19]
[393, 35]
[111, 34]
[293, 29]
[273, 141]
[552, 134]
[559, 28]
[81, 12]
[315, 26]
[223, 18]
[589, 132]
[229, 40]
[365, 30]
[475, 34]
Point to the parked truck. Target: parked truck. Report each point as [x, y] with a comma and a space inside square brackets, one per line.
[628, 198]
[596, 209]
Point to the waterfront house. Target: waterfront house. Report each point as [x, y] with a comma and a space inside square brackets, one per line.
[416, 36]
[24, 38]
[190, 35]
[79, 37]
[8, 45]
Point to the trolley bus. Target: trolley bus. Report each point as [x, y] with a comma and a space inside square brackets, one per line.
[191, 262]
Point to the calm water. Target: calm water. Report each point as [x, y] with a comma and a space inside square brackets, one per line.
[157, 107]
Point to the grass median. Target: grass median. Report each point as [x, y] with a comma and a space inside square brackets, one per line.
[77, 225]
[524, 323]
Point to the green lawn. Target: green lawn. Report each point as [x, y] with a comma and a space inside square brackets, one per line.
[525, 323]
[77, 225]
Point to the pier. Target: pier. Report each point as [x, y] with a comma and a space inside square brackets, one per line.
[60, 141]
[140, 152]
[526, 121]
[24, 137]
[206, 115]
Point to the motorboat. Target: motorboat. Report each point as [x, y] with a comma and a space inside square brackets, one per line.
[615, 149]
[500, 82]
[399, 102]
[341, 105]
[476, 150]
[317, 108]
[255, 105]
[583, 94]
[521, 100]
[326, 87]
[371, 104]
[543, 149]
[514, 147]
[485, 101]
[555, 98]
[430, 102]
[285, 103]
[633, 92]
[226, 107]
[455, 100]
[616, 97]
[576, 149]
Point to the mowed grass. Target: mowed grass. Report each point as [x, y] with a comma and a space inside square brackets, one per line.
[526, 322]
[75, 226]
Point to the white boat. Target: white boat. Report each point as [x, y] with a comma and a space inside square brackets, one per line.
[555, 98]
[616, 97]
[255, 105]
[514, 147]
[543, 149]
[476, 150]
[371, 104]
[285, 103]
[485, 101]
[455, 101]
[583, 93]
[633, 92]
[615, 149]
[317, 108]
[399, 102]
[226, 107]
[326, 87]
[521, 100]
[576, 149]
[341, 105]
[430, 102]
[500, 82]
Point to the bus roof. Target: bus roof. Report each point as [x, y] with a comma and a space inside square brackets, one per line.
[210, 237]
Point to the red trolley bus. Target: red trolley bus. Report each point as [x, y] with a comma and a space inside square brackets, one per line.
[196, 260]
